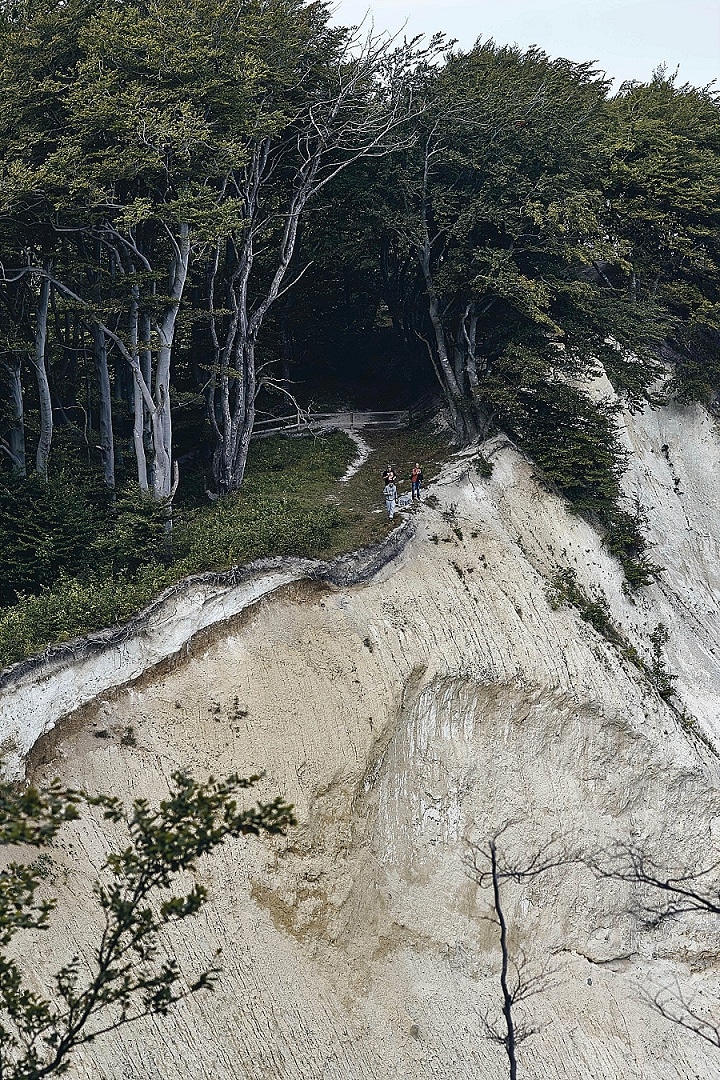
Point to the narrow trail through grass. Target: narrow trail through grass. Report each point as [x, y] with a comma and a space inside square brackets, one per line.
[292, 503]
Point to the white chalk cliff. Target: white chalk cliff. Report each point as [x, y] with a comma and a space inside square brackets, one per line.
[403, 715]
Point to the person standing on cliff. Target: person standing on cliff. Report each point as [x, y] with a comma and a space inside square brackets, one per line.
[416, 479]
[390, 493]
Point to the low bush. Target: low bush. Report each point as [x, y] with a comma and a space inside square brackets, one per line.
[101, 563]
[594, 609]
[72, 607]
[242, 528]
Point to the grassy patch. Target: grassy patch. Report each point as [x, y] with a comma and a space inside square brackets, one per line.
[291, 504]
[361, 498]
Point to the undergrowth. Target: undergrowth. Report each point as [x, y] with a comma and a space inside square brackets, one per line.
[73, 562]
[125, 559]
[574, 443]
[564, 588]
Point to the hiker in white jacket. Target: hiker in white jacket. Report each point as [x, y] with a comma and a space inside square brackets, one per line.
[390, 493]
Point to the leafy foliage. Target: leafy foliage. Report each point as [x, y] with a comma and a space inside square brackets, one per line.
[44, 528]
[135, 533]
[663, 187]
[566, 589]
[496, 225]
[124, 974]
[123, 560]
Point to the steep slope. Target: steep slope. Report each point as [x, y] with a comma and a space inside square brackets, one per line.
[404, 716]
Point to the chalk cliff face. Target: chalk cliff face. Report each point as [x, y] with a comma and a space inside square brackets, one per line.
[402, 717]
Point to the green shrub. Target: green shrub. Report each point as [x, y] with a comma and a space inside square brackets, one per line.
[103, 563]
[663, 680]
[483, 467]
[574, 442]
[624, 538]
[73, 606]
[566, 589]
[239, 529]
[45, 527]
[136, 532]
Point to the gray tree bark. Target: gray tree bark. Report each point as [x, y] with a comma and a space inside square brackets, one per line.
[157, 473]
[107, 444]
[337, 129]
[138, 403]
[40, 362]
[16, 433]
[165, 472]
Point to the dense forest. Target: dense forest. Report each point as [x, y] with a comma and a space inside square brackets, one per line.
[231, 209]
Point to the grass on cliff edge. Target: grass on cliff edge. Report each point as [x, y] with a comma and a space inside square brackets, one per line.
[291, 504]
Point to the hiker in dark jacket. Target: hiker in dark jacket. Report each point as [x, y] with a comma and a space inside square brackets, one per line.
[416, 479]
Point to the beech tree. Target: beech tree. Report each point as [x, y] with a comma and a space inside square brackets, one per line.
[12, 348]
[662, 183]
[152, 165]
[327, 100]
[183, 134]
[37, 49]
[123, 975]
[494, 248]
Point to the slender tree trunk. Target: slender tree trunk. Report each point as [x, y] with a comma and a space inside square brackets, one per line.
[238, 417]
[122, 399]
[460, 409]
[510, 1046]
[470, 335]
[245, 416]
[40, 362]
[165, 478]
[107, 445]
[138, 399]
[146, 433]
[16, 433]
[459, 357]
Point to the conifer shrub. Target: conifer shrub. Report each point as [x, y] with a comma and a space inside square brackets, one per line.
[625, 539]
[663, 679]
[46, 527]
[483, 467]
[594, 609]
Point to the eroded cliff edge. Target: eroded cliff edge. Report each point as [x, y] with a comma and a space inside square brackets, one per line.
[401, 715]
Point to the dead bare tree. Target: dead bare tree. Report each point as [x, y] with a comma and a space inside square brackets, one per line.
[678, 891]
[669, 893]
[491, 868]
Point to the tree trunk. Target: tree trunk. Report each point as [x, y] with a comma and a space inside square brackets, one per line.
[107, 445]
[46, 417]
[165, 476]
[138, 403]
[146, 434]
[507, 996]
[16, 433]
[460, 409]
[244, 418]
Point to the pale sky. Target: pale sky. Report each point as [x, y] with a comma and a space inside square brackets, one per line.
[627, 38]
